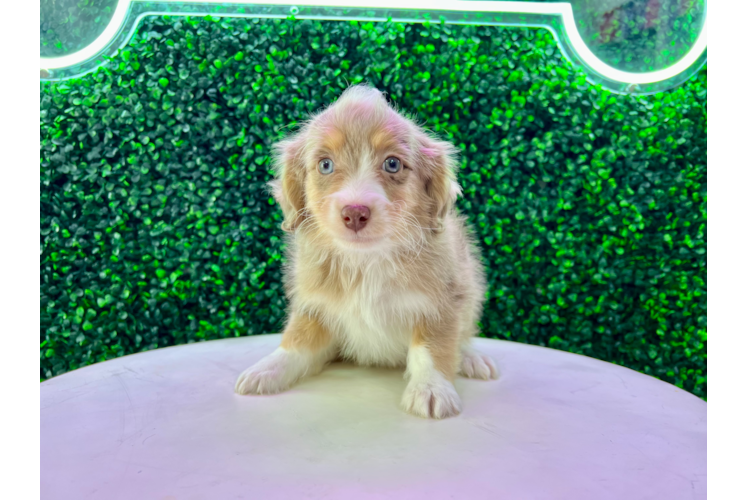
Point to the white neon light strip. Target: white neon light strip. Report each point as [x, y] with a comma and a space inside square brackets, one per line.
[559, 9]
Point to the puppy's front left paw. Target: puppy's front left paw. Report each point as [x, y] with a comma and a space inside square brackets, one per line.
[432, 399]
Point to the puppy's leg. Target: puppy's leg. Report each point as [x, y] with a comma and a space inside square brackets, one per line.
[475, 364]
[431, 368]
[304, 350]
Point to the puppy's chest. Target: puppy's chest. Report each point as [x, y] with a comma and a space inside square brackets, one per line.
[373, 322]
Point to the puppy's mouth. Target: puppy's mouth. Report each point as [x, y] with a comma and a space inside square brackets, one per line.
[366, 240]
[359, 240]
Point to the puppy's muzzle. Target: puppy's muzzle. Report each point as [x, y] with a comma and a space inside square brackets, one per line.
[355, 217]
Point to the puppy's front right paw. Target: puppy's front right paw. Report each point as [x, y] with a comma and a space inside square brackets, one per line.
[256, 380]
[270, 375]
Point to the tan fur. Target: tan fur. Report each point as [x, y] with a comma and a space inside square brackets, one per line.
[439, 338]
[408, 288]
[305, 332]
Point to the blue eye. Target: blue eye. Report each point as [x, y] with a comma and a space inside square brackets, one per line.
[325, 166]
[392, 165]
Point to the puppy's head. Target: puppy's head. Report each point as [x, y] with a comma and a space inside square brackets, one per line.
[363, 177]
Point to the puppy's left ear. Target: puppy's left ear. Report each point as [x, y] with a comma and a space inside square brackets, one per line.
[438, 162]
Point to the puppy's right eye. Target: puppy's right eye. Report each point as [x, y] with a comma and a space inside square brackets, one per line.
[325, 166]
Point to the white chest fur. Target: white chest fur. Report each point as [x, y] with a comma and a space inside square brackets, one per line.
[378, 330]
[373, 323]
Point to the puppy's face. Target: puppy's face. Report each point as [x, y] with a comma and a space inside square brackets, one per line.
[364, 178]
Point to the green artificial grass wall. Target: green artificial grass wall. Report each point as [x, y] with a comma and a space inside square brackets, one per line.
[67, 26]
[157, 229]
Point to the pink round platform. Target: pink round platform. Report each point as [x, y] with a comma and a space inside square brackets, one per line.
[166, 424]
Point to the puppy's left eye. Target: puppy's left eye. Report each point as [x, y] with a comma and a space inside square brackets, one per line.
[392, 165]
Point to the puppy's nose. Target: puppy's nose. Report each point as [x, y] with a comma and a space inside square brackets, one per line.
[355, 217]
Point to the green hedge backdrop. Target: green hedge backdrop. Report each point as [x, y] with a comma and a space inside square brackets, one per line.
[156, 228]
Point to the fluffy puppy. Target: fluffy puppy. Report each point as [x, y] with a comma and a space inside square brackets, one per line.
[381, 270]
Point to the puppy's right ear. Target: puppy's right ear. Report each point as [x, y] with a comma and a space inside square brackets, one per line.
[288, 185]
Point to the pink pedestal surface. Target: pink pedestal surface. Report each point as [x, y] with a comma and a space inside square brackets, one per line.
[166, 424]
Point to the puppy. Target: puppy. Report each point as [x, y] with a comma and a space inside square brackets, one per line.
[381, 270]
